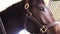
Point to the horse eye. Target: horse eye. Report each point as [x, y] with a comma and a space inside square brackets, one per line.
[41, 8]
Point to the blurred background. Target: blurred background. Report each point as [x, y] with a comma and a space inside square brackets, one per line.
[55, 9]
[54, 6]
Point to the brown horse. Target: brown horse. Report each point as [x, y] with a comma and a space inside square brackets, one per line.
[31, 15]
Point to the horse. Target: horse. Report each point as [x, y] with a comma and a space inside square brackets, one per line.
[32, 15]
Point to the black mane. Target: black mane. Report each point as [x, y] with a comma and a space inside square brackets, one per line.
[13, 17]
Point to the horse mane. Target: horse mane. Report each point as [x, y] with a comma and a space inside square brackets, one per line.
[14, 8]
[16, 12]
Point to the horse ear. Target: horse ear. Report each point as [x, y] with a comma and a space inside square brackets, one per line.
[47, 2]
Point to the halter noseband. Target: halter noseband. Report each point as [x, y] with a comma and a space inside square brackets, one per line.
[44, 28]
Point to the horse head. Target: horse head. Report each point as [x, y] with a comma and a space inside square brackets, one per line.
[39, 14]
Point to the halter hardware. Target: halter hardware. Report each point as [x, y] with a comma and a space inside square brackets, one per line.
[43, 29]
[29, 14]
[26, 5]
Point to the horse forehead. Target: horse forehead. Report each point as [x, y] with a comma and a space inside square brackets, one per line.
[35, 2]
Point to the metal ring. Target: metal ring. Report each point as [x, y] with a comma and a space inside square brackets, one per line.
[29, 14]
[45, 29]
[26, 6]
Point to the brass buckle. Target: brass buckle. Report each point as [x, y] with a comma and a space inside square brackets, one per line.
[43, 29]
[26, 5]
[29, 14]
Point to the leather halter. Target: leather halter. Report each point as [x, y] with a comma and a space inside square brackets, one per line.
[44, 28]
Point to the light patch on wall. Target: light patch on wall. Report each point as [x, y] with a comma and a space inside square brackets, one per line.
[24, 31]
[6, 3]
[55, 9]
[46, 2]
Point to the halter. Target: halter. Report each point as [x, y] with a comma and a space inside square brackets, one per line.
[44, 28]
